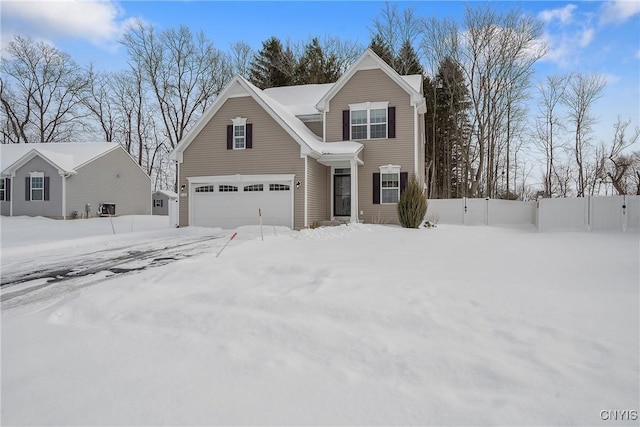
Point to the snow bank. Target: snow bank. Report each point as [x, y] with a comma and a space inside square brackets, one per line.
[357, 325]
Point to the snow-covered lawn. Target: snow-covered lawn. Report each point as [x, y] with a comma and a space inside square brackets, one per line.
[351, 325]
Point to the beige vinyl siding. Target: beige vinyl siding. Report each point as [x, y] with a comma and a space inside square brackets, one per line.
[315, 127]
[111, 178]
[51, 208]
[274, 152]
[376, 86]
[319, 193]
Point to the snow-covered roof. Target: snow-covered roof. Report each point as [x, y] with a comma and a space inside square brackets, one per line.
[67, 157]
[169, 194]
[291, 105]
[300, 100]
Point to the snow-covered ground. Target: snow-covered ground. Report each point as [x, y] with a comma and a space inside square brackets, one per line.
[351, 325]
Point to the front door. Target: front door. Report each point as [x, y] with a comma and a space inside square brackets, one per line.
[342, 193]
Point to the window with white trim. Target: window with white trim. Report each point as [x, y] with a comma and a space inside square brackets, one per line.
[389, 184]
[239, 133]
[2, 190]
[157, 203]
[369, 120]
[37, 185]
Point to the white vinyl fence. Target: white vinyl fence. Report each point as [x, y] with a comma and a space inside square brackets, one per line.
[592, 213]
[480, 211]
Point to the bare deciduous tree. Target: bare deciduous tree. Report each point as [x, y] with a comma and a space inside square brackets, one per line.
[40, 91]
[583, 90]
[185, 73]
[548, 123]
[497, 55]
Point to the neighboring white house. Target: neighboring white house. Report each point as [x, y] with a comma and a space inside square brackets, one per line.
[69, 180]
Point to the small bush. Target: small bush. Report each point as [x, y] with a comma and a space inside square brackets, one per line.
[412, 206]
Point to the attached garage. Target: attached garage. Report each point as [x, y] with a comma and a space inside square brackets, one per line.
[232, 201]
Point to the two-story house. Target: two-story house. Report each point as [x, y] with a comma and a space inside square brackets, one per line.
[301, 154]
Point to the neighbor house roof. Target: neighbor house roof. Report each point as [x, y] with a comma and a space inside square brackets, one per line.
[66, 157]
[169, 194]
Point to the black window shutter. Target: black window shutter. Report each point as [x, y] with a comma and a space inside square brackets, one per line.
[230, 137]
[376, 188]
[46, 188]
[161, 203]
[392, 122]
[27, 188]
[249, 130]
[7, 189]
[404, 176]
[346, 125]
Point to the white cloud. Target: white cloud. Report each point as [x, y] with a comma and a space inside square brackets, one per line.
[619, 11]
[564, 14]
[586, 37]
[98, 22]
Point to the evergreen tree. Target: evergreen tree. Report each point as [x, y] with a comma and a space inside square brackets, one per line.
[272, 66]
[315, 66]
[407, 62]
[382, 49]
[447, 129]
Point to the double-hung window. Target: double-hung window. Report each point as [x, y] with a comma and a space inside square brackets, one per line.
[239, 133]
[389, 184]
[2, 190]
[369, 120]
[37, 185]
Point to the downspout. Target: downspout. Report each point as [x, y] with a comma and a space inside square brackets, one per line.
[306, 192]
[416, 166]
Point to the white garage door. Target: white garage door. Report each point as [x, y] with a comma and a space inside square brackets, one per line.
[235, 203]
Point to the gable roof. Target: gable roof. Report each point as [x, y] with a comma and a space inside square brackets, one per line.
[370, 61]
[66, 157]
[289, 106]
[309, 142]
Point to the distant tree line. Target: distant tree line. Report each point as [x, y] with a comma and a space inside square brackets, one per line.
[488, 122]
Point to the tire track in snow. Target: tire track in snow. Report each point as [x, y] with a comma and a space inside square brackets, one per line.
[116, 262]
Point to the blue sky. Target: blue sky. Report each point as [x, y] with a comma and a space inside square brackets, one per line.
[602, 37]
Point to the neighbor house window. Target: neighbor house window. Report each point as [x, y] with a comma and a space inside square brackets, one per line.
[37, 185]
[157, 203]
[389, 184]
[369, 120]
[2, 191]
[239, 133]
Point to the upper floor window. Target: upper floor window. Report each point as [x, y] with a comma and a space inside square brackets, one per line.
[239, 133]
[37, 185]
[369, 120]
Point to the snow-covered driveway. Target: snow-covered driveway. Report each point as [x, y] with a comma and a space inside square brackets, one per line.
[358, 325]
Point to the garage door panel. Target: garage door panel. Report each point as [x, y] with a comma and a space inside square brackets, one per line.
[234, 209]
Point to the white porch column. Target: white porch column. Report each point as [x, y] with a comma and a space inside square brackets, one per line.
[354, 191]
